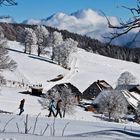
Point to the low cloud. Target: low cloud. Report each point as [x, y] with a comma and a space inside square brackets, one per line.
[85, 22]
[32, 21]
[6, 19]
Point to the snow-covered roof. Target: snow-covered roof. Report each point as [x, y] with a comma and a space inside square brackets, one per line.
[132, 97]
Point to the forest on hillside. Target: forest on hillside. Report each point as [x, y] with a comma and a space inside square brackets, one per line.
[14, 32]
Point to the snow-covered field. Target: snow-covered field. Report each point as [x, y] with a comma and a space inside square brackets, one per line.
[85, 69]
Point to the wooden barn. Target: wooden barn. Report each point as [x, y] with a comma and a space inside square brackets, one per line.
[57, 88]
[95, 88]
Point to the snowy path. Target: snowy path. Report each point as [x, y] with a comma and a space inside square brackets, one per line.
[73, 69]
[70, 73]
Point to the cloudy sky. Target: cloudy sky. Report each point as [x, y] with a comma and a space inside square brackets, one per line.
[39, 9]
[79, 16]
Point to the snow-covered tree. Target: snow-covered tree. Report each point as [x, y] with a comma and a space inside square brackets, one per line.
[56, 39]
[65, 94]
[21, 34]
[112, 102]
[137, 113]
[42, 38]
[68, 100]
[126, 78]
[30, 40]
[6, 63]
[63, 52]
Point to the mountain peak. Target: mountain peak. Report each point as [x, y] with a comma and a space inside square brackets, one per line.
[84, 13]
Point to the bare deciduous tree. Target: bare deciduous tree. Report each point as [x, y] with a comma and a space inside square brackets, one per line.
[125, 27]
[8, 2]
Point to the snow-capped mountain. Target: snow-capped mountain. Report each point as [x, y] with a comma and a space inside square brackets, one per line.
[85, 22]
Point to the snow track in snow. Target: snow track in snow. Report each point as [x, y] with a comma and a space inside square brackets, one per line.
[73, 69]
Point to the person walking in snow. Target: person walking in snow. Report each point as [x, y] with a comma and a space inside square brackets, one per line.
[21, 106]
[58, 108]
[51, 108]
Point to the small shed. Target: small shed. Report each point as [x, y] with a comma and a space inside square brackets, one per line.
[36, 90]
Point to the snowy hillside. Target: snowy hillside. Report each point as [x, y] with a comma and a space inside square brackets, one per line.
[85, 69]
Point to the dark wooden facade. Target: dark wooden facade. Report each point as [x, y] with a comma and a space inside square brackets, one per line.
[36, 90]
[76, 93]
[95, 88]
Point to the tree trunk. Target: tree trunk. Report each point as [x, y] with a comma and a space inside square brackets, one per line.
[109, 115]
[52, 57]
[29, 50]
[64, 112]
[39, 51]
[25, 48]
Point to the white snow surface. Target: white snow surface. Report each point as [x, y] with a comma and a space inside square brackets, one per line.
[85, 69]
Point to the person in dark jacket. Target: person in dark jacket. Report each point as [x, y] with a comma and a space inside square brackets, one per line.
[58, 108]
[21, 106]
[51, 108]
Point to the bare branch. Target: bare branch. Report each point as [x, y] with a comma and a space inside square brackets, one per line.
[36, 122]
[8, 2]
[125, 27]
[45, 129]
[26, 125]
[65, 128]
[17, 127]
[53, 127]
[7, 124]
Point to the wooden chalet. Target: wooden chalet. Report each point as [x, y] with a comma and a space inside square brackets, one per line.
[95, 88]
[57, 88]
